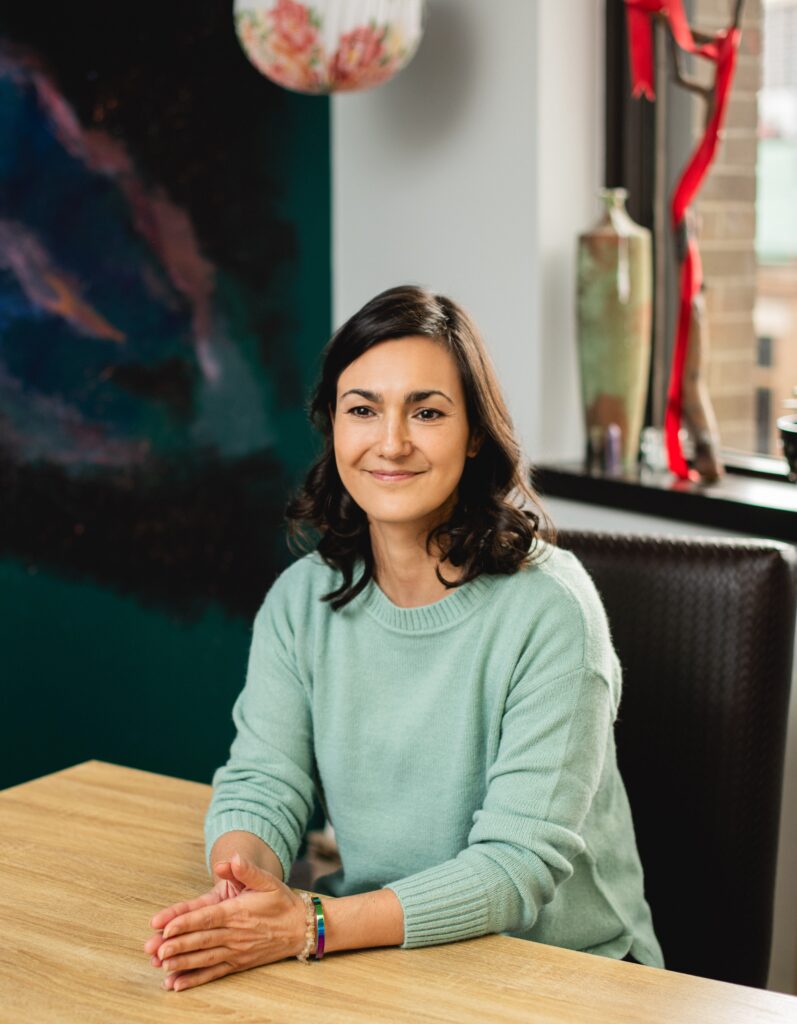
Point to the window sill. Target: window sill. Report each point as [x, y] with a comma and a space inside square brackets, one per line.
[741, 503]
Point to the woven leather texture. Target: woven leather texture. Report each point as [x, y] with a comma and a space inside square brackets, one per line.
[704, 630]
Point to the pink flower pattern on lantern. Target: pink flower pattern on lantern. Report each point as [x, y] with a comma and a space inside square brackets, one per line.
[284, 43]
[294, 29]
[295, 51]
[363, 59]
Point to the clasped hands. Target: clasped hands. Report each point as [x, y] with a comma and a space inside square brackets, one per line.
[248, 918]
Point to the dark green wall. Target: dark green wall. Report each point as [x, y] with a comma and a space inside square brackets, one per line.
[91, 674]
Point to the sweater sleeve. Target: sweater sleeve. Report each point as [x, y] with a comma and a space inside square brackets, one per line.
[266, 786]
[526, 835]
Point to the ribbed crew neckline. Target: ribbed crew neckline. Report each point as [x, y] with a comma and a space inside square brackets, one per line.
[448, 610]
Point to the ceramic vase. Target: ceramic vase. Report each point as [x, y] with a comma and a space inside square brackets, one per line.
[614, 314]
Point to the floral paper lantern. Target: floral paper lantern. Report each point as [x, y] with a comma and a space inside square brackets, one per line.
[329, 45]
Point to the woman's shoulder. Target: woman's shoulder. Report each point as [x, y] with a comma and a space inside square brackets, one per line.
[556, 597]
[308, 574]
[559, 575]
[298, 588]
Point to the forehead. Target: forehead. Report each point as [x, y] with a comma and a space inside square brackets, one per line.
[401, 363]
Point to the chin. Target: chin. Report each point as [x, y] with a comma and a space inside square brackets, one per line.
[395, 513]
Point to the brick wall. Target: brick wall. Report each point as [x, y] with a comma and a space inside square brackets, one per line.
[726, 210]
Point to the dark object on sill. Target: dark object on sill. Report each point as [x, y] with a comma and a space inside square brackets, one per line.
[744, 504]
[787, 425]
[704, 631]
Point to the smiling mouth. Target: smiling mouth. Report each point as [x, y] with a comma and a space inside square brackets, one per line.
[391, 477]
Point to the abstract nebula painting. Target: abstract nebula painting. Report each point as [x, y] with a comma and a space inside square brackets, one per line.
[164, 296]
[157, 326]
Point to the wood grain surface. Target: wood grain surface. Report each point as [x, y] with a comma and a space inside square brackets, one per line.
[90, 853]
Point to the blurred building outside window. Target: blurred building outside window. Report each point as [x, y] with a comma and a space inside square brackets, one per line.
[748, 227]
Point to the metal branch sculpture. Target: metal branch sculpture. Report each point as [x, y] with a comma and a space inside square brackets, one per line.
[688, 399]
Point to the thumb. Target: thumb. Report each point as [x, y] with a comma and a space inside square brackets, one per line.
[252, 876]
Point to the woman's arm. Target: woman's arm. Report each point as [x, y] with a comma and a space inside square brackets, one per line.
[352, 922]
[363, 922]
[250, 847]
[527, 833]
[266, 789]
[261, 921]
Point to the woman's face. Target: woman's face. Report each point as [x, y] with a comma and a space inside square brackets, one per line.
[401, 432]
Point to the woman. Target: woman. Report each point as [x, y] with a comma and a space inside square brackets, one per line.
[440, 676]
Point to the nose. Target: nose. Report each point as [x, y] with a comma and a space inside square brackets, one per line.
[394, 441]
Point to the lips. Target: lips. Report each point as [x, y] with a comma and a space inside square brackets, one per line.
[394, 477]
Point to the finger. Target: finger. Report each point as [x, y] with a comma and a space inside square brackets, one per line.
[192, 941]
[252, 876]
[190, 979]
[197, 959]
[223, 871]
[162, 918]
[196, 921]
[155, 961]
[153, 943]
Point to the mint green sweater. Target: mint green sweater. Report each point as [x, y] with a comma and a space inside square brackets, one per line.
[464, 751]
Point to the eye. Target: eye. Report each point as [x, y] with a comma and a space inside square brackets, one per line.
[429, 415]
[360, 412]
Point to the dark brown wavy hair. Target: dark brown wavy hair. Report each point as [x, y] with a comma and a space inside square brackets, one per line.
[489, 529]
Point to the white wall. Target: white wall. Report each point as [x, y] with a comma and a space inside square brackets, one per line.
[570, 161]
[472, 172]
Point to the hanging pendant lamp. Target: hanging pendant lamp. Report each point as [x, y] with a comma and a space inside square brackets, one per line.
[325, 46]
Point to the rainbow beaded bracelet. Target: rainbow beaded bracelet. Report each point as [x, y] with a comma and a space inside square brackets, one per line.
[320, 927]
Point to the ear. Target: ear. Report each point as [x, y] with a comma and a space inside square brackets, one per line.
[475, 444]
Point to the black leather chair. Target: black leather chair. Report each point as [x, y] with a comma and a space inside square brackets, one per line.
[704, 630]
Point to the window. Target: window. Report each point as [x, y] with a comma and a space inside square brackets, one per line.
[747, 210]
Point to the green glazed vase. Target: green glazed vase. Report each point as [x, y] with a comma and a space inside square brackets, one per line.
[615, 299]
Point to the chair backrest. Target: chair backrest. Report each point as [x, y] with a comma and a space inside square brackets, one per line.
[704, 630]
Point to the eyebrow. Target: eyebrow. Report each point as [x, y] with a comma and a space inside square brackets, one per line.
[409, 399]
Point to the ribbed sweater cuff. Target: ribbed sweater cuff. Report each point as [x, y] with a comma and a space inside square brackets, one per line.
[442, 904]
[243, 821]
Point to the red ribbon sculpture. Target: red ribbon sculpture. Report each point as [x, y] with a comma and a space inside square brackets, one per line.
[722, 49]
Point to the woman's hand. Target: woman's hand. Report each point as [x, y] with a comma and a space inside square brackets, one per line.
[247, 919]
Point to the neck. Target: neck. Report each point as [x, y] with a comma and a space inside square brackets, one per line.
[403, 568]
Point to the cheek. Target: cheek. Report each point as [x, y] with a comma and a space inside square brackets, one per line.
[349, 446]
[347, 443]
[447, 452]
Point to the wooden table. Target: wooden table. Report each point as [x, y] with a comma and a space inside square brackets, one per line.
[90, 853]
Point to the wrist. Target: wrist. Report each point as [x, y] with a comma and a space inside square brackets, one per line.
[250, 847]
[313, 938]
[364, 921]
